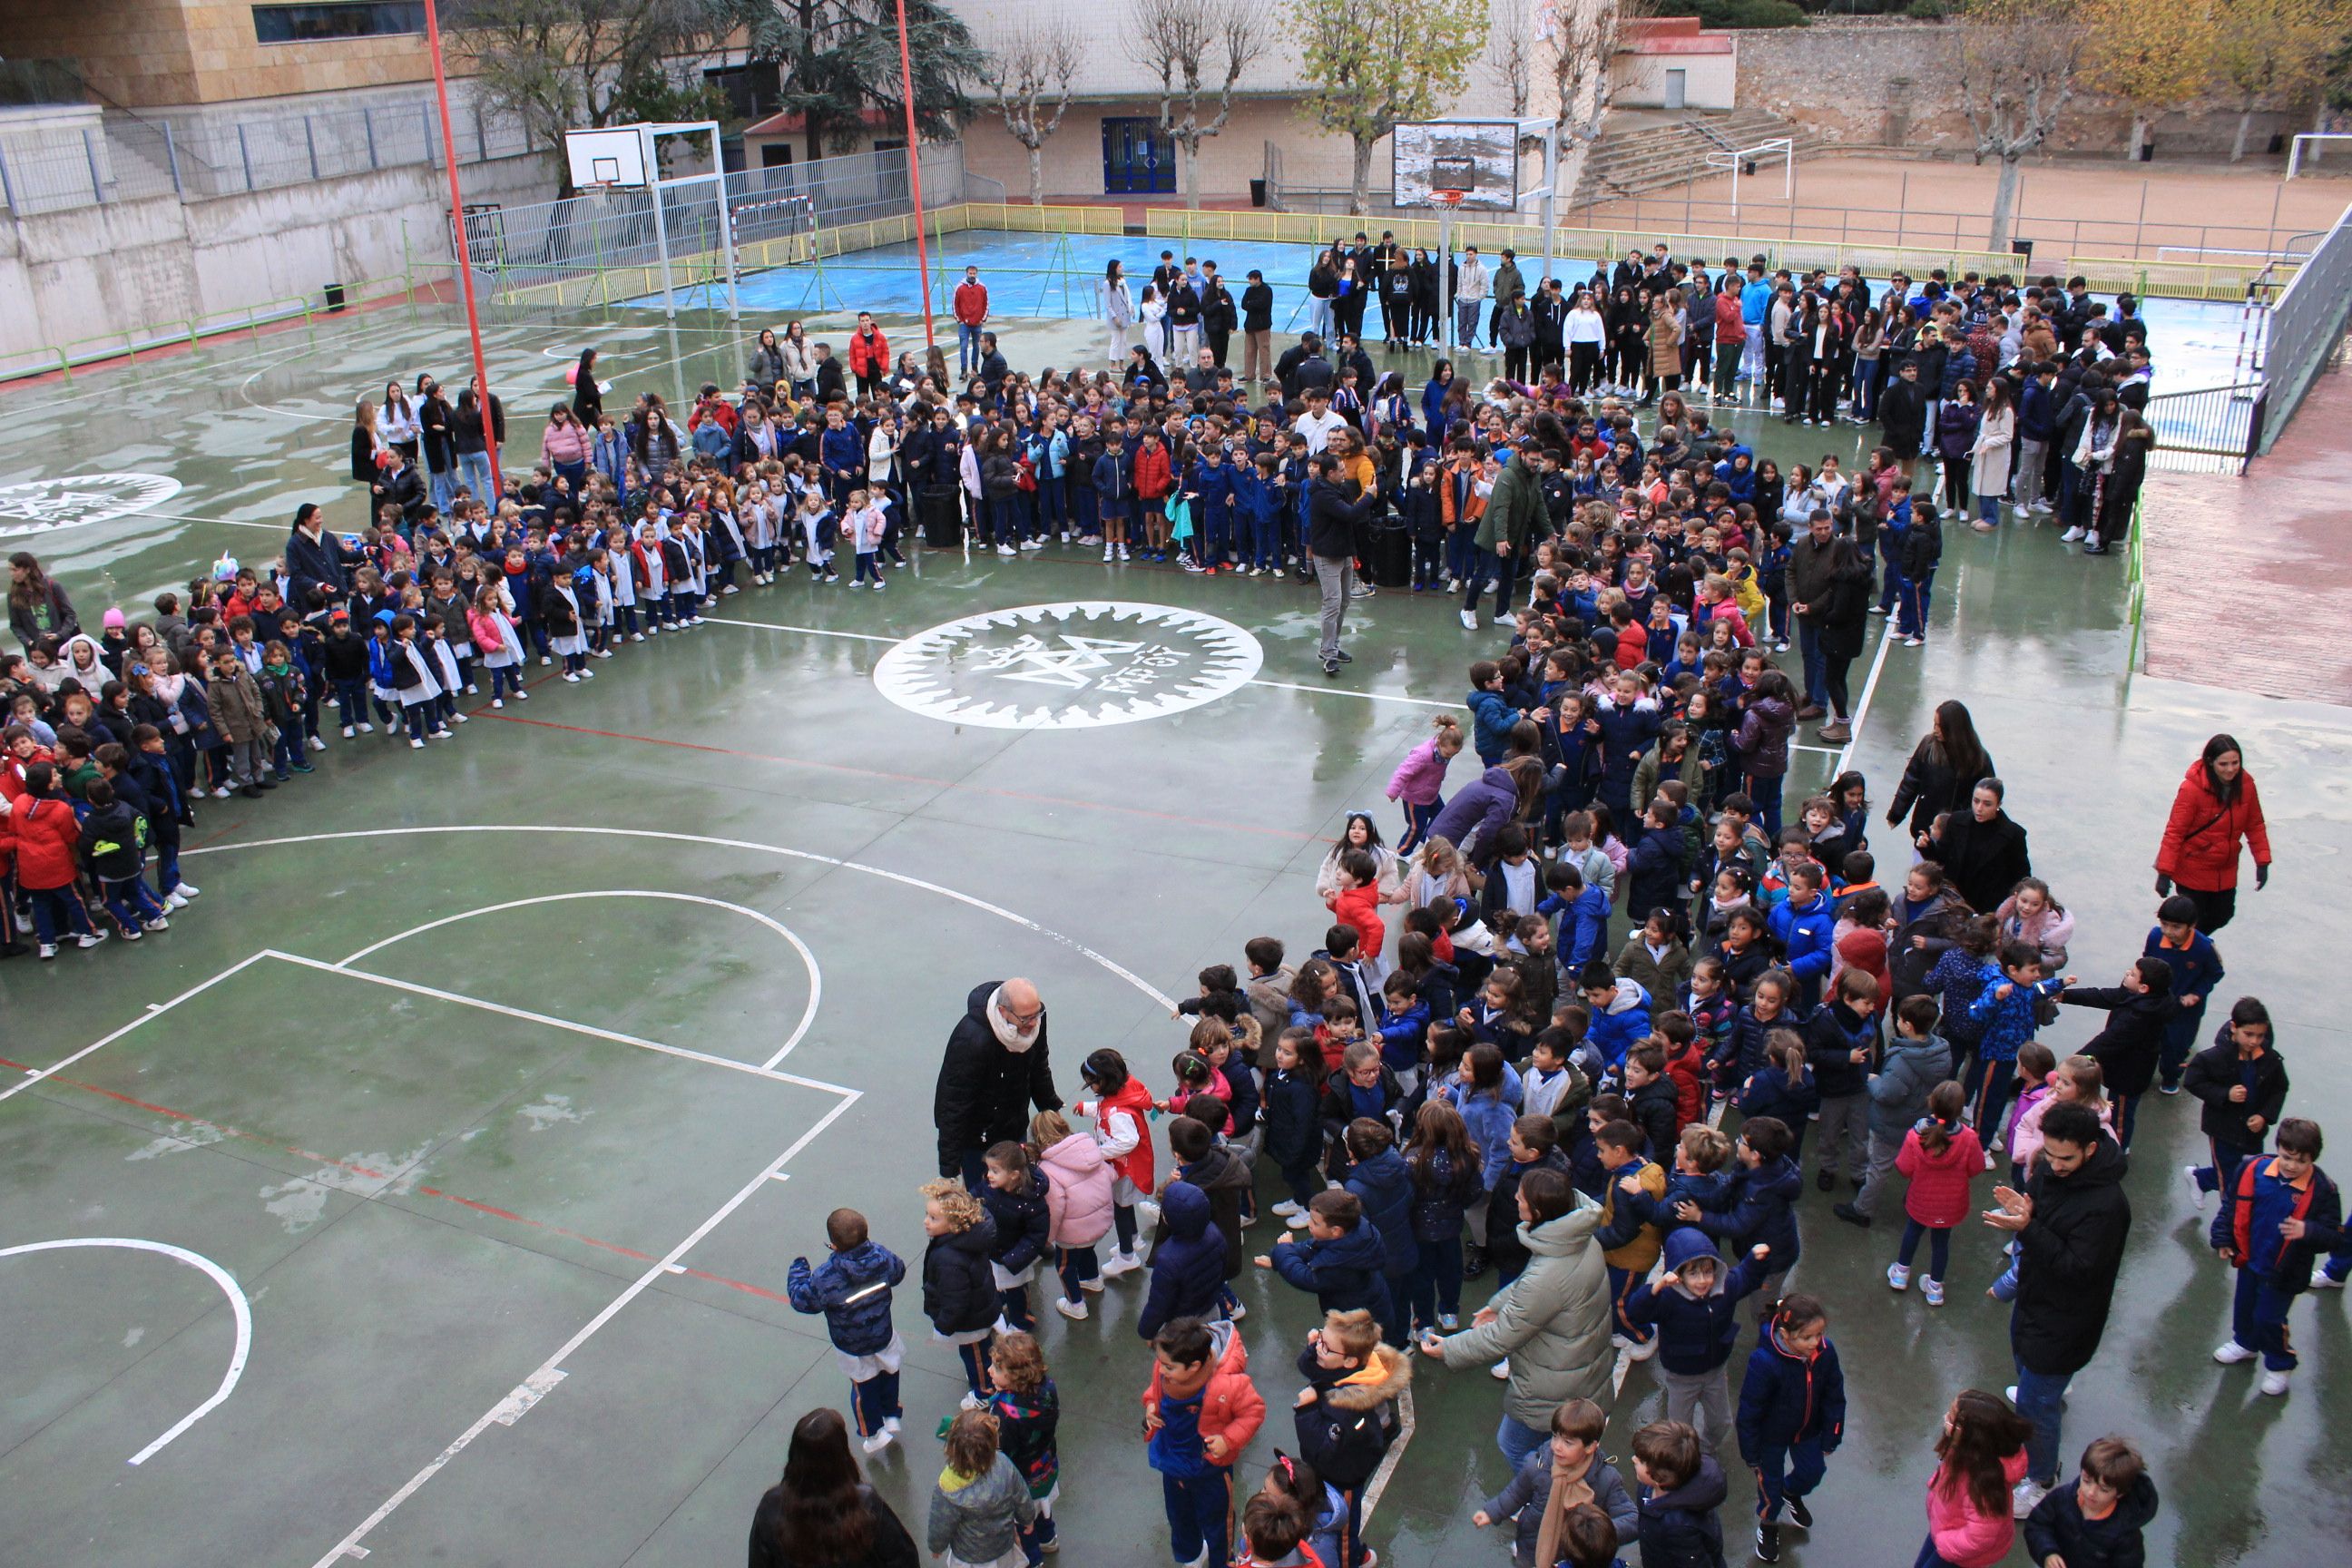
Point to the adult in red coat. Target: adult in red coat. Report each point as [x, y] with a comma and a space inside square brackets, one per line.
[869, 354]
[2217, 808]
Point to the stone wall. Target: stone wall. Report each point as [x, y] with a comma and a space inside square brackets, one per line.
[151, 54]
[1891, 81]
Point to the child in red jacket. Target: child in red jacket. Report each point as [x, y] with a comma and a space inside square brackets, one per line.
[1942, 1157]
[1154, 478]
[1199, 1412]
[47, 837]
[1357, 906]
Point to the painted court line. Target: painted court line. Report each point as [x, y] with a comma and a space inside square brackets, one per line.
[550, 1372]
[1110, 964]
[1862, 707]
[153, 1013]
[238, 1305]
[461, 999]
[808, 959]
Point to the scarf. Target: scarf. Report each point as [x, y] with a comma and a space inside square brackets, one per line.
[1008, 1033]
[1568, 1489]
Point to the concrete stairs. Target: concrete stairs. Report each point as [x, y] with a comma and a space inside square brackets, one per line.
[1645, 150]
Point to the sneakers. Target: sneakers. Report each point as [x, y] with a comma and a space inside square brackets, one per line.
[2274, 1384]
[1798, 1514]
[1449, 1321]
[2230, 1353]
[1899, 1276]
[48, 949]
[969, 1402]
[173, 901]
[1288, 1208]
[2196, 1188]
[347, 731]
[1074, 1310]
[884, 1438]
[1767, 1543]
[1295, 1221]
[318, 743]
[1933, 1288]
[2323, 1280]
[1840, 733]
[1642, 1349]
[1469, 620]
[2024, 1497]
[1500, 1370]
[1913, 642]
[1121, 1263]
[2070, 536]
[1091, 1287]
[188, 889]
[1106, 554]
[1006, 550]
[1236, 1312]
[157, 923]
[88, 939]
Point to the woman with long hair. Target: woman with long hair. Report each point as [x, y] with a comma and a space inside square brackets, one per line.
[37, 605]
[588, 396]
[365, 443]
[1943, 770]
[1118, 312]
[2117, 493]
[1843, 628]
[396, 423]
[1981, 1459]
[1995, 444]
[2216, 809]
[822, 1514]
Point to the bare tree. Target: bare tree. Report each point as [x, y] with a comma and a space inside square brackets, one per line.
[1034, 67]
[1511, 52]
[1578, 42]
[1198, 50]
[2017, 61]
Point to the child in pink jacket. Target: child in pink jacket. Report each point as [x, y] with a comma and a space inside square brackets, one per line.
[1982, 1459]
[1942, 1157]
[1078, 1204]
[1419, 780]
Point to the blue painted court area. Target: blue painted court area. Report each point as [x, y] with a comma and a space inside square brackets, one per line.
[1051, 276]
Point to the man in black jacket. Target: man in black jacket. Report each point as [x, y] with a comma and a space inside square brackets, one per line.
[1810, 561]
[1902, 412]
[995, 1068]
[1334, 512]
[2071, 1223]
[1257, 329]
[1219, 315]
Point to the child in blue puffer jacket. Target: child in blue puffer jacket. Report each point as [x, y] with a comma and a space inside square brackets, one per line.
[2005, 1011]
[852, 1288]
[1791, 1417]
[1492, 715]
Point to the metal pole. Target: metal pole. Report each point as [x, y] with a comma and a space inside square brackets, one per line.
[457, 228]
[244, 154]
[1551, 197]
[1446, 279]
[915, 175]
[89, 152]
[2139, 224]
[310, 140]
[367, 118]
[726, 222]
[661, 224]
[172, 157]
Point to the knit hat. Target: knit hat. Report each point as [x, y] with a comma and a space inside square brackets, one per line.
[111, 621]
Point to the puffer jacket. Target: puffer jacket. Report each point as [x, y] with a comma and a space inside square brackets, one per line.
[1787, 1399]
[1077, 1192]
[1898, 1090]
[1478, 810]
[959, 1291]
[1384, 1187]
[1440, 1194]
[2199, 848]
[1762, 1208]
[1551, 1323]
[1346, 1273]
[853, 1290]
[1024, 1222]
[1188, 1261]
[1762, 738]
[1346, 1429]
[1696, 1334]
[45, 835]
[980, 1518]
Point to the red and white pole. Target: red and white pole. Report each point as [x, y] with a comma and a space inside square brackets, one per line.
[464, 267]
[914, 172]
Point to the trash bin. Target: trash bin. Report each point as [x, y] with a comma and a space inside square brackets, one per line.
[1257, 192]
[943, 518]
[334, 297]
[1390, 556]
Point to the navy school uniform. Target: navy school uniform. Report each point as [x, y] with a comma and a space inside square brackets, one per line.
[2196, 970]
[1791, 1418]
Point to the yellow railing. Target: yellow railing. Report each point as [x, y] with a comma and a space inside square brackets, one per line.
[2180, 279]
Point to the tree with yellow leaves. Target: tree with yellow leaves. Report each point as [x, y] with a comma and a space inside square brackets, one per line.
[2279, 51]
[2151, 57]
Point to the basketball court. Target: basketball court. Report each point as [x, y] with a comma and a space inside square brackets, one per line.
[425, 1193]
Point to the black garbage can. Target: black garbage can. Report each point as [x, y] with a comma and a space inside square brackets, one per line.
[1257, 192]
[942, 519]
[334, 293]
[1390, 556]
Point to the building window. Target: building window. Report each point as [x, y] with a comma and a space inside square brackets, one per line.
[313, 23]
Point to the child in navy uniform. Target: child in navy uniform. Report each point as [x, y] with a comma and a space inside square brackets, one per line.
[958, 1286]
[2140, 1012]
[2277, 1219]
[1346, 1416]
[2095, 1522]
[1791, 1417]
[1682, 1488]
[1574, 1455]
[1014, 1197]
[2196, 967]
[1695, 1306]
[852, 1288]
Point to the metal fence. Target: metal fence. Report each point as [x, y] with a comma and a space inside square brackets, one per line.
[605, 247]
[2212, 429]
[194, 156]
[2306, 327]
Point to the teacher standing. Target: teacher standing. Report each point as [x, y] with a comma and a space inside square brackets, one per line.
[995, 1068]
[2216, 809]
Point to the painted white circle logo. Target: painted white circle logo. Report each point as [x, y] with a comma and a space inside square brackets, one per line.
[49, 504]
[1072, 665]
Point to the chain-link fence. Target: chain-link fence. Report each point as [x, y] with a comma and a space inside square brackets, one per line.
[604, 247]
[119, 157]
[2306, 328]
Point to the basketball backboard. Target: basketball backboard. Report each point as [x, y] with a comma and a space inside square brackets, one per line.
[1480, 158]
[611, 157]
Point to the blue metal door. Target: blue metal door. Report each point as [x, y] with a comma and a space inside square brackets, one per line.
[1138, 158]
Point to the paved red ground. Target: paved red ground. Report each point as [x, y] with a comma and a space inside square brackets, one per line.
[2233, 563]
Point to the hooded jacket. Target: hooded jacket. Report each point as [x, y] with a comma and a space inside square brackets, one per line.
[1623, 1024]
[1832, 1035]
[853, 1290]
[2128, 1048]
[1551, 1323]
[1479, 810]
[1787, 1399]
[1762, 1208]
[1346, 1273]
[980, 1518]
[1938, 1194]
[1805, 935]
[1384, 1187]
[46, 837]
[1352, 1420]
[2214, 1071]
[985, 1088]
[1898, 1090]
[1223, 1176]
[1188, 1261]
[1078, 1192]
[2056, 1528]
[1523, 1500]
[958, 1289]
[1697, 1334]
[2069, 1255]
[2199, 848]
[1230, 1407]
[1680, 1529]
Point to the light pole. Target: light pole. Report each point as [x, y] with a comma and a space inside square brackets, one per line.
[465, 266]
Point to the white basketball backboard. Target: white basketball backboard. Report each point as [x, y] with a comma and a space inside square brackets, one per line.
[1480, 158]
[613, 157]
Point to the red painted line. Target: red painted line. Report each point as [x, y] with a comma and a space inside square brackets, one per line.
[1023, 796]
[474, 1203]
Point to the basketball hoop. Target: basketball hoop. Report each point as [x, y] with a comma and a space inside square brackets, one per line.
[1447, 198]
